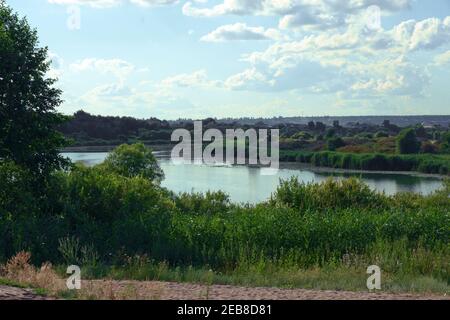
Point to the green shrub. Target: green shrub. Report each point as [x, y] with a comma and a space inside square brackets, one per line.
[133, 160]
[407, 142]
[331, 194]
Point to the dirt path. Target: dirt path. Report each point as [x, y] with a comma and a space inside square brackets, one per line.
[153, 290]
[184, 291]
[11, 293]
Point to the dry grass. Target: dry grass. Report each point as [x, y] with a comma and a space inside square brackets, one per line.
[19, 269]
[46, 281]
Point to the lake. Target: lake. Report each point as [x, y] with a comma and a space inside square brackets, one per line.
[246, 184]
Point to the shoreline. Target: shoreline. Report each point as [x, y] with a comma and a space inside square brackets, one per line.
[283, 164]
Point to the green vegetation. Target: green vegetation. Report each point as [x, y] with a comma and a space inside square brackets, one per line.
[335, 143]
[134, 160]
[425, 163]
[446, 142]
[102, 220]
[407, 142]
[115, 218]
[28, 99]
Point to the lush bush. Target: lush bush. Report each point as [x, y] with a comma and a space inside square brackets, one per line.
[132, 161]
[335, 143]
[202, 204]
[407, 142]
[331, 194]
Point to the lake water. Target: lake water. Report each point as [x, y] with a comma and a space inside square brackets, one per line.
[247, 184]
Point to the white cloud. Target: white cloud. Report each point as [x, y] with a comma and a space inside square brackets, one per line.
[119, 68]
[442, 59]
[430, 34]
[113, 3]
[240, 31]
[91, 3]
[152, 3]
[357, 62]
[56, 65]
[249, 79]
[296, 13]
[197, 78]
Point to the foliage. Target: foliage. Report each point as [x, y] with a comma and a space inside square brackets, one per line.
[331, 194]
[407, 142]
[28, 99]
[446, 142]
[335, 143]
[203, 204]
[426, 163]
[132, 161]
[102, 217]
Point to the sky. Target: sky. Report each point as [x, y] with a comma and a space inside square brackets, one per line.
[176, 59]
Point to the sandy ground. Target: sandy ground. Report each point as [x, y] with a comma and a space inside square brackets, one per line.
[152, 290]
[11, 293]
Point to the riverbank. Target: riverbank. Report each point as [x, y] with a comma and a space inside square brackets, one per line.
[424, 163]
[86, 149]
[313, 168]
[162, 152]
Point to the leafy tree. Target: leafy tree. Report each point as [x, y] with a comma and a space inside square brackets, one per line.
[330, 133]
[28, 99]
[335, 143]
[446, 142]
[407, 142]
[320, 126]
[132, 161]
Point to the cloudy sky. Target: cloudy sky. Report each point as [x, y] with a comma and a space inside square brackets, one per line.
[230, 58]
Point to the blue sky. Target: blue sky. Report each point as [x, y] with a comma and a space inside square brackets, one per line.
[231, 58]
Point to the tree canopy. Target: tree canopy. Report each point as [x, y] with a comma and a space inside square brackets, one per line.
[132, 161]
[407, 142]
[28, 98]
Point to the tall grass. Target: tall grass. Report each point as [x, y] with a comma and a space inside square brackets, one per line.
[435, 164]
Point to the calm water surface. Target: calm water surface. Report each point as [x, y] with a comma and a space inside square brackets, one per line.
[246, 184]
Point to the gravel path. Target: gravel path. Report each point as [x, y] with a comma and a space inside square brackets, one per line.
[153, 290]
[184, 291]
[11, 293]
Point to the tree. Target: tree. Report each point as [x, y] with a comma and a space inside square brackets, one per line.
[407, 142]
[320, 126]
[446, 142]
[134, 160]
[28, 99]
[335, 143]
